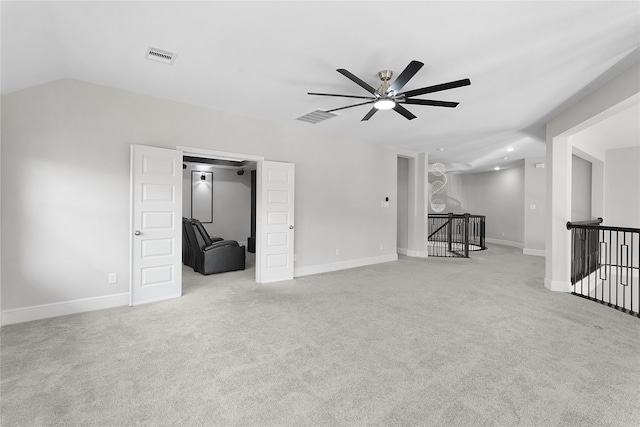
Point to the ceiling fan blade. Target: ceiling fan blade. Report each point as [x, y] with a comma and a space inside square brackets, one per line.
[357, 80]
[369, 114]
[405, 76]
[436, 88]
[349, 106]
[430, 102]
[406, 113]
[341, 96]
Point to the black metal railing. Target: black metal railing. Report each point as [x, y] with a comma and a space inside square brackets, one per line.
[454, 235]
[605, 264]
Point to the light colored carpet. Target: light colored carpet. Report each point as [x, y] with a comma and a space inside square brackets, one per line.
[459, 342]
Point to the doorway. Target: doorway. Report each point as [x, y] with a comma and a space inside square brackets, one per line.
[274, 212]
[221, 195]
[231, 204]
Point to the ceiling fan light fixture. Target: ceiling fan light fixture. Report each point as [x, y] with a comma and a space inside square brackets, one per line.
[389, 96]
[384, 104]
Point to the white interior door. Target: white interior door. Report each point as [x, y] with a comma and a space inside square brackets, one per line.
[276, 221]
[156, 224]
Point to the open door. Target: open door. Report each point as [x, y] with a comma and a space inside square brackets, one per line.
[276, 221]
[156, 224]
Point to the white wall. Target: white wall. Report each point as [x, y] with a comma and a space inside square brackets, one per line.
[534, 206]
[231, 203]
[0, 189]
[403, 206]
[622, 187]
[65, 208]
[499, 195]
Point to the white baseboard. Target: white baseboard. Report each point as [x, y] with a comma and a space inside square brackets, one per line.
[536, 252]
[504, 242]
[407, 252]
[418, 254]
[557, 286]
[44, 311]
[335, 266]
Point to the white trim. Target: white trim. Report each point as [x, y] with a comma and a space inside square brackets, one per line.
[343, 265]
[401, 251]
[418, 254]
[536, 252]
[131, 172]
[406, 154]
[504, 242]
[45, 311]
[223, 155]
[557, 286]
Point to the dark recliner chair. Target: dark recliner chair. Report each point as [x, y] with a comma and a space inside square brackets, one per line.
[205, 235]
[217, 256]
[189, 255]
[185, 244]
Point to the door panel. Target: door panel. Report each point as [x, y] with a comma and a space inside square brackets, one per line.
[156, 224]
[276, 221]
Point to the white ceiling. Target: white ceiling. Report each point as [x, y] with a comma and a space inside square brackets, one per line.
[527, 61]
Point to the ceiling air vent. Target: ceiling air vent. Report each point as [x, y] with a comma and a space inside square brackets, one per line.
[316, 116]
[160, 55]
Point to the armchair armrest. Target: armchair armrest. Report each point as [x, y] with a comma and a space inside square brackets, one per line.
[220, 244]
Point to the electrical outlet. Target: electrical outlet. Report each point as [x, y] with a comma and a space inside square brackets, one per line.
[113, 277]
[381, 246]
[337, 251]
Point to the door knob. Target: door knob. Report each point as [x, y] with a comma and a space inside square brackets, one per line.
[137, 233]
[291, 227]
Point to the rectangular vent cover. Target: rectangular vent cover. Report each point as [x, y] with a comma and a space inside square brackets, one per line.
[160, 55]
[316, 116]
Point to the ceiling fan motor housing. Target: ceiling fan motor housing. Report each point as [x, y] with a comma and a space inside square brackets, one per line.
[385, 76]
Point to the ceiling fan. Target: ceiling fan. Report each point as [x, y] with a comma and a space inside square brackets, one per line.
[388, 95]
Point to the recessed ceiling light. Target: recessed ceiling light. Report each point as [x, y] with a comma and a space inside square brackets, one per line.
[504, 158]
[497, 168]
[440, 149]
[510, 149]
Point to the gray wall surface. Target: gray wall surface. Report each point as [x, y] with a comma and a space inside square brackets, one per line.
[231, 203]
[499, 196]
[71, 141]
[534, 204]
[403, 203]
[580, 189]
[622, 187]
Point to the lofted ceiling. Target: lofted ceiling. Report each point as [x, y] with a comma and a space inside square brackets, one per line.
[527, 61]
